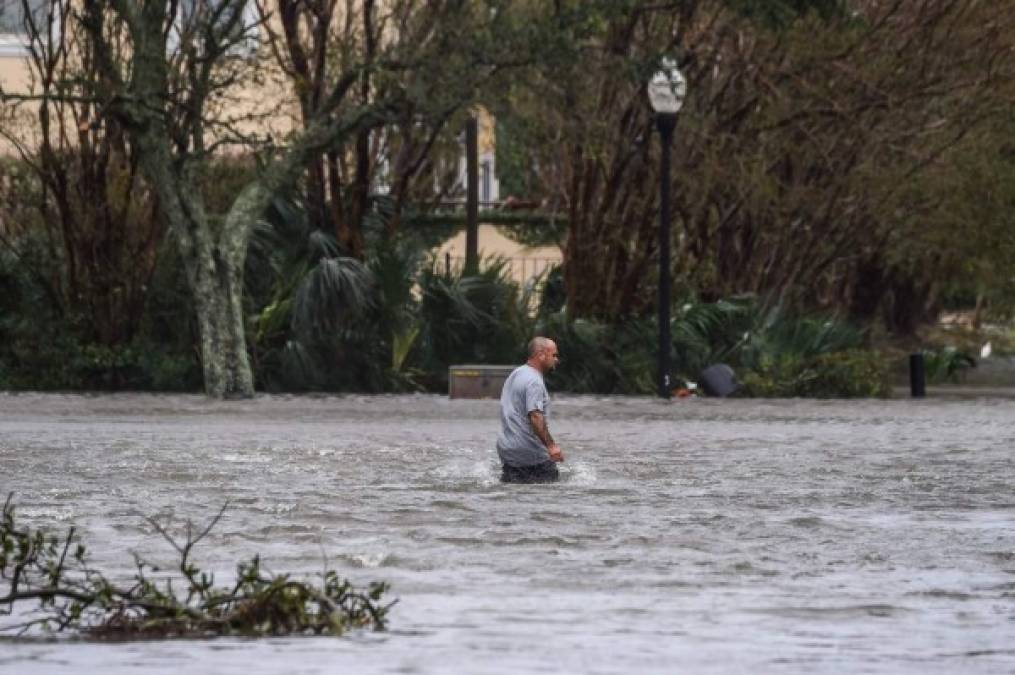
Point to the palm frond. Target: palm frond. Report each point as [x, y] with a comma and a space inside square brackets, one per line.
[321, 244]
[337, 290]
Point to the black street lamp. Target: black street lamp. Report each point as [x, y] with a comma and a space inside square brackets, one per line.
[471, 196]
[666, 91]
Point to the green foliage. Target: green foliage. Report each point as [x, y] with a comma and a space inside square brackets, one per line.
[395, 316]
[168, 333]
[964, 238]
[774, 332]
[44, 348]
[94, 303]
[32, 345]
[602, 358]
[390, 323]
[779, 13]
[775, 354]
[842, 374]
[824, 186]
[706, 333]
[946, 364]
[742, 332]
[396, 322]
[892, 206]
[333, 294]
[55, 572]
[779, 354]
[471, 319]
[553, 297]
[514, 169]
[222, 179]
[539, 231]
[323, 321]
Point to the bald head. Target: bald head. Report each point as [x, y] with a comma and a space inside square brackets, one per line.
[538, 344]
[543, 354]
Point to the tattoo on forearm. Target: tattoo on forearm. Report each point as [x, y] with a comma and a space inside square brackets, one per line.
[539, 427]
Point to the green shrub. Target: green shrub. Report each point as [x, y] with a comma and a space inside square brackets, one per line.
[554, 295]
[602, 358]
[470, 319]
[946, 364]
[43, 348]
[846, 374]
[777, 354]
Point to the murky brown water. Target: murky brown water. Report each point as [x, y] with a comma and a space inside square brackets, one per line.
[695, 536]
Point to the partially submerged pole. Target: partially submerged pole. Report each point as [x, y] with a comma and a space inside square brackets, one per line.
[917, 379]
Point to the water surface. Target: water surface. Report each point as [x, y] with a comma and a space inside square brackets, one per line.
[697, 535]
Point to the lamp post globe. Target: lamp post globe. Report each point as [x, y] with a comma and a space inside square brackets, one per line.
[666, 92]
[667, 89]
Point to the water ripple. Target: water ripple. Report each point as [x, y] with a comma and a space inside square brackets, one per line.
[704, 535]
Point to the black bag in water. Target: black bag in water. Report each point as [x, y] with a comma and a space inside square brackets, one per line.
[718, 380]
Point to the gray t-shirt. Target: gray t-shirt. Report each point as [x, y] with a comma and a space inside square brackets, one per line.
[524, 391]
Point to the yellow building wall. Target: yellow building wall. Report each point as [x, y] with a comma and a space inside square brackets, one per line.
[14, 78]
[523, 263]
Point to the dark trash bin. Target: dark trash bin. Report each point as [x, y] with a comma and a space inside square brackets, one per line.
[718, 380]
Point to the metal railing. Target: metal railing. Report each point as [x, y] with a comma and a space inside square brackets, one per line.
[525, 271]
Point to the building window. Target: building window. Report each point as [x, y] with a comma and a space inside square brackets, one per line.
[13, 35]
[191, 13]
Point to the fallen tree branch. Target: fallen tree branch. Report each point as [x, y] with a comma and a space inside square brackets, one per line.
[72, 596]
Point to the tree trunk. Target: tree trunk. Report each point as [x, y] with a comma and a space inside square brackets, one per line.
[217, 286]
[213, 257]
[215, 272]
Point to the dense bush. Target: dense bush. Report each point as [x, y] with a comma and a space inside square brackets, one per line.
[843, 374]
[392, 322]
[471, 319]
[773, 353]
[602, 358]
[318, 320]
[43, 348]
[100, 303]
[946, 364]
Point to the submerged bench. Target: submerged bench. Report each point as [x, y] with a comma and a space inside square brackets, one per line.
[477, 380]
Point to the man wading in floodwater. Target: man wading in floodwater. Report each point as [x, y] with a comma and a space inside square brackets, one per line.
[525, 446]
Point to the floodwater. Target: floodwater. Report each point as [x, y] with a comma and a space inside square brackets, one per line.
[700, 536]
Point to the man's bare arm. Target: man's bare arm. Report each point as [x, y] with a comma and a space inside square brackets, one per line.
[538, 421]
